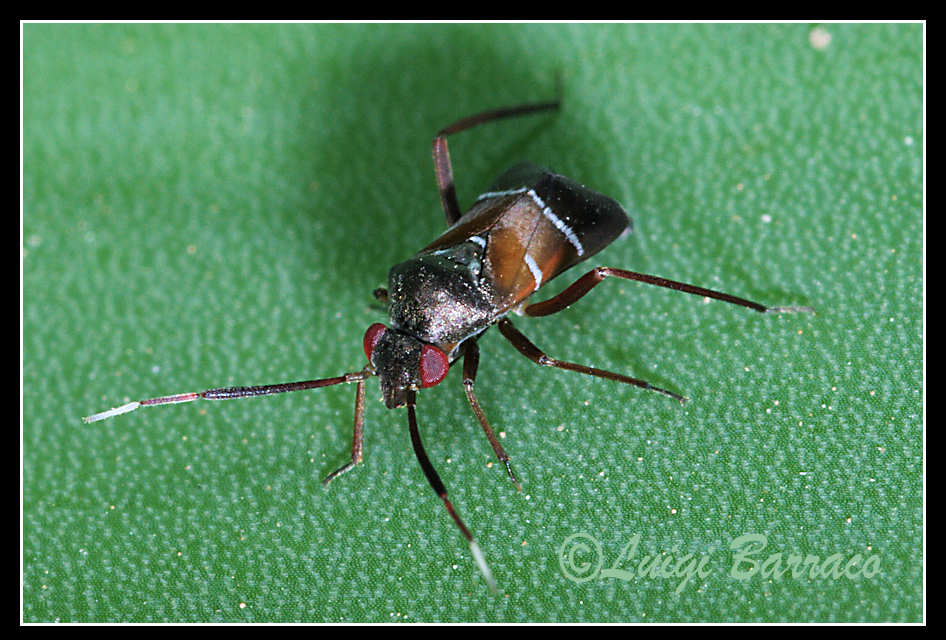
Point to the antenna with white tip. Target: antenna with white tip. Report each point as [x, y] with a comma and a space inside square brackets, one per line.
[226, 393]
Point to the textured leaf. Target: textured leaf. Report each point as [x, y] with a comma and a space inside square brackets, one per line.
[210, 205]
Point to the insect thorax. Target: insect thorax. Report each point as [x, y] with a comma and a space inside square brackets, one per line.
[439, 296]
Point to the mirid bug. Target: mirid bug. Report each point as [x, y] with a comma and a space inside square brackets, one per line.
[528, 227]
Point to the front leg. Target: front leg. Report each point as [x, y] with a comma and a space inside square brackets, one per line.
[357, 443]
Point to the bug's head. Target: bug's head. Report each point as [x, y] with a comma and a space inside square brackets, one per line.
[403, 363]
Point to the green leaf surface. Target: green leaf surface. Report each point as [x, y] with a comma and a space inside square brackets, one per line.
[209, 205]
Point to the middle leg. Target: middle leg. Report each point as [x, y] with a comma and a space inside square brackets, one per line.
[532, 352]
[471, 361]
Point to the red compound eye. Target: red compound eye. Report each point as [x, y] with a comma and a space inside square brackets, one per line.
[434, 365]
[372, 335]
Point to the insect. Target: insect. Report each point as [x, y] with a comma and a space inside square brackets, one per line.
[528, 227]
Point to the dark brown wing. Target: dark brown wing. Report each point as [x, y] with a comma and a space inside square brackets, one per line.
[528, 228]
[586, 220]
[478, 221]
[534, 224]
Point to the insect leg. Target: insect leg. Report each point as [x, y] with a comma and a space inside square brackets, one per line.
[226, 393]
[357, 443]
[443, 170]
[441, 490]
[471, 361]
[532, 352]
[588, 281]
[380, 294]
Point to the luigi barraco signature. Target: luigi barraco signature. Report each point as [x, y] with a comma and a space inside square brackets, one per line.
[581, 558]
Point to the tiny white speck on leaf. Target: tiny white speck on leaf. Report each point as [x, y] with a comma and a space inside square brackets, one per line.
[819, 38]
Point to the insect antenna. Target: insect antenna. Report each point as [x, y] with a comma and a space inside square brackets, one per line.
[226, 393]
[441, 490]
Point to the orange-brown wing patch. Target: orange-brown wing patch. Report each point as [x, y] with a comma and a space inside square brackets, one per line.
[508, 242]
[525, 249]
